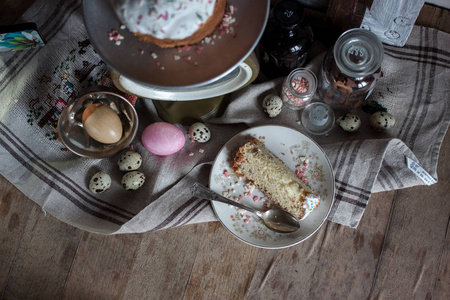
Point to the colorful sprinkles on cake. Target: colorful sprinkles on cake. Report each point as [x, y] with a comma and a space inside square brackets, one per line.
[226, 26]
[165, 19]
[313, 203]
[301, 168]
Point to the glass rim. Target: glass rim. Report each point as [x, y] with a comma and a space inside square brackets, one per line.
[308, 75]
[371, 43]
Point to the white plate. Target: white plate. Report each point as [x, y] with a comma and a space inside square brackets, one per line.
[225, 85]
[289, 145]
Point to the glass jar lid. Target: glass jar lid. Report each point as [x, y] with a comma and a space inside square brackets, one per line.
[358, 53]
[317, 118]
[288, 13]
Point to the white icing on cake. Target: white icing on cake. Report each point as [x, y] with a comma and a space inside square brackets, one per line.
[165, 19]
[311, 202]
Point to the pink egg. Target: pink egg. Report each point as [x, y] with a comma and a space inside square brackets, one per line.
[162, 138]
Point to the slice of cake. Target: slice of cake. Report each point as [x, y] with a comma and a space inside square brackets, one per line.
[271, 175]
[170, 23]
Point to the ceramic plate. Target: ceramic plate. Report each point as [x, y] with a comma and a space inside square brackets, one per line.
[227, 84]
[174, 68]
[290, 146]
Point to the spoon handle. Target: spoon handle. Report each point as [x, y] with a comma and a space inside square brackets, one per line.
[201, 191]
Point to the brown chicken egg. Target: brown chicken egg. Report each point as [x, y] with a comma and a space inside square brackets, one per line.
[102, 123]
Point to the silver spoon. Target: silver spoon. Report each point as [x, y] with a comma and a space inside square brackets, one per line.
[274, 218]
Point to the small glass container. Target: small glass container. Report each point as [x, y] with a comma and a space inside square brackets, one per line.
[298, 88]
[351, 69]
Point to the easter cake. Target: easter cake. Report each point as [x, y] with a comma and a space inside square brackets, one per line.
[171, 23]
[271, 175]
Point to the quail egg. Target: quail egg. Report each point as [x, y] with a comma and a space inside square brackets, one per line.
[99, 182]
[349, 122]
[199, 132]
[130, 161]
[133, 180]
[381, 120]
[272, 105]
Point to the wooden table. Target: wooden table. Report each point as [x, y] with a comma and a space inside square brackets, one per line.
[399, 251]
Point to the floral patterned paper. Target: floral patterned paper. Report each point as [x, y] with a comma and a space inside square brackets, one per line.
[21, 40]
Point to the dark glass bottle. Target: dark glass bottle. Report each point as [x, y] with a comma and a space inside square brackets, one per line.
[286, 41]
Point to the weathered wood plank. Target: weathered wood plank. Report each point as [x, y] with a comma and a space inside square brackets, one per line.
[347, 14]
[435, 17]
[101, 267]
[222, 268]
[43, 257]
[442, 280]
[442, 283]
[14, 211]
[416, 254]
[343, 259]
[11, 10]
[409, 266]
[164, 260]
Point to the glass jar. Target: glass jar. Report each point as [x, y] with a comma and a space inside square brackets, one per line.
[298, 88]
[351, 69]
[286, 41]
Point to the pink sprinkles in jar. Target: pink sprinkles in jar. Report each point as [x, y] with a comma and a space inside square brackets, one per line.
[298, 88]
[300, 84]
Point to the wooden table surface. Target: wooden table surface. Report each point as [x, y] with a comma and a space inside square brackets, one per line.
[399, 251]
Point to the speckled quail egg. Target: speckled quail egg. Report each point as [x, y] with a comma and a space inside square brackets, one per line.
[272, 105]
[100, 182]
[381, 120]
[133, 180]
[199, 132]
[349, 122]
[130, 161]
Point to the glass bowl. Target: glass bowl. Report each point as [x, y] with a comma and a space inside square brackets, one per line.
[75, 138]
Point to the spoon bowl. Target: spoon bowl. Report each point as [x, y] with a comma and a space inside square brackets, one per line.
[275, 218]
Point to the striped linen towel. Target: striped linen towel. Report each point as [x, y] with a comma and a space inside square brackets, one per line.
[35, 85]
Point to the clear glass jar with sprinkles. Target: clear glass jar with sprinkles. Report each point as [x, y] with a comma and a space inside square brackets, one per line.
[351, 69]
[298, 88]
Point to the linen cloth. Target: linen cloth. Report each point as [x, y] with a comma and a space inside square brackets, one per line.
[35, 85]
